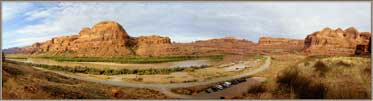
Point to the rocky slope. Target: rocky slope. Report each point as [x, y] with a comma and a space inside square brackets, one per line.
[335, 42]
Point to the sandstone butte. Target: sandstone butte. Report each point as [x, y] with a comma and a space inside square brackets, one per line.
[337, 42]
[106, 38]
[109, 39]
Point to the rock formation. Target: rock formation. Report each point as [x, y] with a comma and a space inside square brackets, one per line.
[370, 45]
[201, 47]
[224, 45]
[335, 42]
[106, 38]
[279, 41]
[154, 39]
[363, 49]
[269, 45]
[109, 39]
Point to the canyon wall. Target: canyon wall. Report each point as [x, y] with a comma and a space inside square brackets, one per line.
[336, 42]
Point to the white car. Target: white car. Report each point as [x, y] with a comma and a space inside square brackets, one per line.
[219, 87]
[227, 84]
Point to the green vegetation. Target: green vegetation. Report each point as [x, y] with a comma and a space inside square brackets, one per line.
[130, 59]
[255, 56]
[139, 60]
[88, 70]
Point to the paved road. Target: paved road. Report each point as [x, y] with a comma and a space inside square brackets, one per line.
[163, 86]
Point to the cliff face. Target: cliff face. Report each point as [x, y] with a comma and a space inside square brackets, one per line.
[280, 41]
[335, 42]
[106, 38]
[269, 45]
[109, 39]
[224, 45]
[154, 39]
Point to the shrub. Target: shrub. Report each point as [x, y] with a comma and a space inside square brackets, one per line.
[13, 71]
[321, 67]
[303, 87]
[260, 88]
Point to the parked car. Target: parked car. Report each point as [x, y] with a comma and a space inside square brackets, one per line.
[235, 82]
[227, 84]
[209, 90]
[219, 87]
[214, 89]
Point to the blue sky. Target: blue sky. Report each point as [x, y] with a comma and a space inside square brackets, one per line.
[25, 23]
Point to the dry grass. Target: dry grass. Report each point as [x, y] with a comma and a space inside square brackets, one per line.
[23, 82]
[192, 90]
[317, 77]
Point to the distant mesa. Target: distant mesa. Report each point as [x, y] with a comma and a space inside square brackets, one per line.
[279, 41]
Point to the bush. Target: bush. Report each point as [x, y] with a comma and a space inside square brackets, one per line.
[257, 89]
[303, 87]
[321, 67]
[13, 71]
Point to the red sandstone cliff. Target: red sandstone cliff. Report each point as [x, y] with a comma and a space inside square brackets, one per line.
[335, 42]
[280, 41]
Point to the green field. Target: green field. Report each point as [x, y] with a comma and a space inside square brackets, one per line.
[130, 59]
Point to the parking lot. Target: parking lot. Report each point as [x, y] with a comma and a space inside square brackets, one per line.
[230, 88]
[224, 85]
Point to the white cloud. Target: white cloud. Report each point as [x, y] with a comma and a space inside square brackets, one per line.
[40, 13]
[12, 9]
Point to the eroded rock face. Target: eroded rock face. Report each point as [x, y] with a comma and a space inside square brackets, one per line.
[202, 47]
[363, 49]
[224, 45]
[279, 41]
[154, 39]
[269, 45]
[106, 38]
[335, 42]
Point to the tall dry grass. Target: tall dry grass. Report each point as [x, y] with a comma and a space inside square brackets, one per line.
[320, 78]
